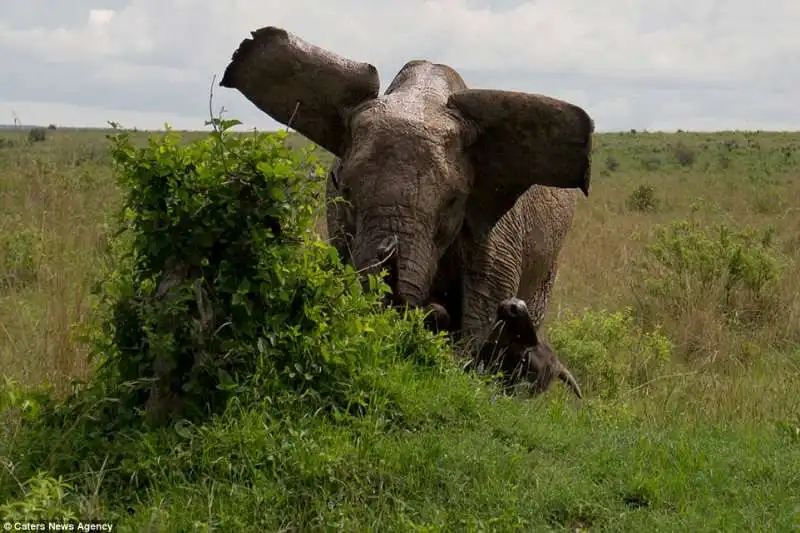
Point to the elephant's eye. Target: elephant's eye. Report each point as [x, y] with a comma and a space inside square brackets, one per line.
[452, 202]
[455, 202]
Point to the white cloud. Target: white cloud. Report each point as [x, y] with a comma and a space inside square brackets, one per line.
[632, 64]
[100, 17]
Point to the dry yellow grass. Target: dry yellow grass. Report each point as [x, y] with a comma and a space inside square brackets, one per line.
[744, 372]
[607, 236]
[56, 197]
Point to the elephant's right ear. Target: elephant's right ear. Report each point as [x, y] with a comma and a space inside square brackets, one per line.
[300, 85]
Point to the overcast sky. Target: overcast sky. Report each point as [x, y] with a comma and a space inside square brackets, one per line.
[644, 64]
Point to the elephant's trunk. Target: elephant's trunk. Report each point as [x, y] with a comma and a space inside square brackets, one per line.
[409, 259]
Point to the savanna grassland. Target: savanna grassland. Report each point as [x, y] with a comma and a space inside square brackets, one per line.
[677, 308]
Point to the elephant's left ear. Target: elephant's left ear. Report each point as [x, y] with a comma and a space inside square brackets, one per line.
[526, 139]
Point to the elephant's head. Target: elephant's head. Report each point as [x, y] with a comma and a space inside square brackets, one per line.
[514, 348]
[420, 160]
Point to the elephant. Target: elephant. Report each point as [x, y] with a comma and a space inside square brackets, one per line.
[469, 193]
[515, 349]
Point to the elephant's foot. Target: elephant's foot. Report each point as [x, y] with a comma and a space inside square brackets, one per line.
[437, 319]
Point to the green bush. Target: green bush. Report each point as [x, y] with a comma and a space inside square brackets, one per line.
[36, 135]
[684, 155]
[608, 353]
[732, 272]
[643, 198]
[44, 498]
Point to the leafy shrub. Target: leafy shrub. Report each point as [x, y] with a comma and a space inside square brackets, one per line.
[607, 352]
[37, 135]
[684, 155]
[44, 499]
[643, 198]
[612, 164]
[688, 273]
[738, 262]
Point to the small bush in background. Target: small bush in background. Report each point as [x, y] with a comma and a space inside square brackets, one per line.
[643, 198]
[37, 135]
[710, 285]
[684, 155]
[608, 352]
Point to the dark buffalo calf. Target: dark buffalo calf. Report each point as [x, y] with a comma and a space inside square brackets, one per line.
[515, 349]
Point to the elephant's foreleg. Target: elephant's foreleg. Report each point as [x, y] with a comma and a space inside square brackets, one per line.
[487, 279]
[537, 294]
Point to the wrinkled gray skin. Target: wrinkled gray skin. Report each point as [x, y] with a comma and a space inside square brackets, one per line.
[514, 348]
[470, 192]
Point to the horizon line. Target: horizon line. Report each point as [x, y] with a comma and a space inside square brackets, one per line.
[241, 129]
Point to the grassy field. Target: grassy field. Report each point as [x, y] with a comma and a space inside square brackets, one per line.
[677, 307]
